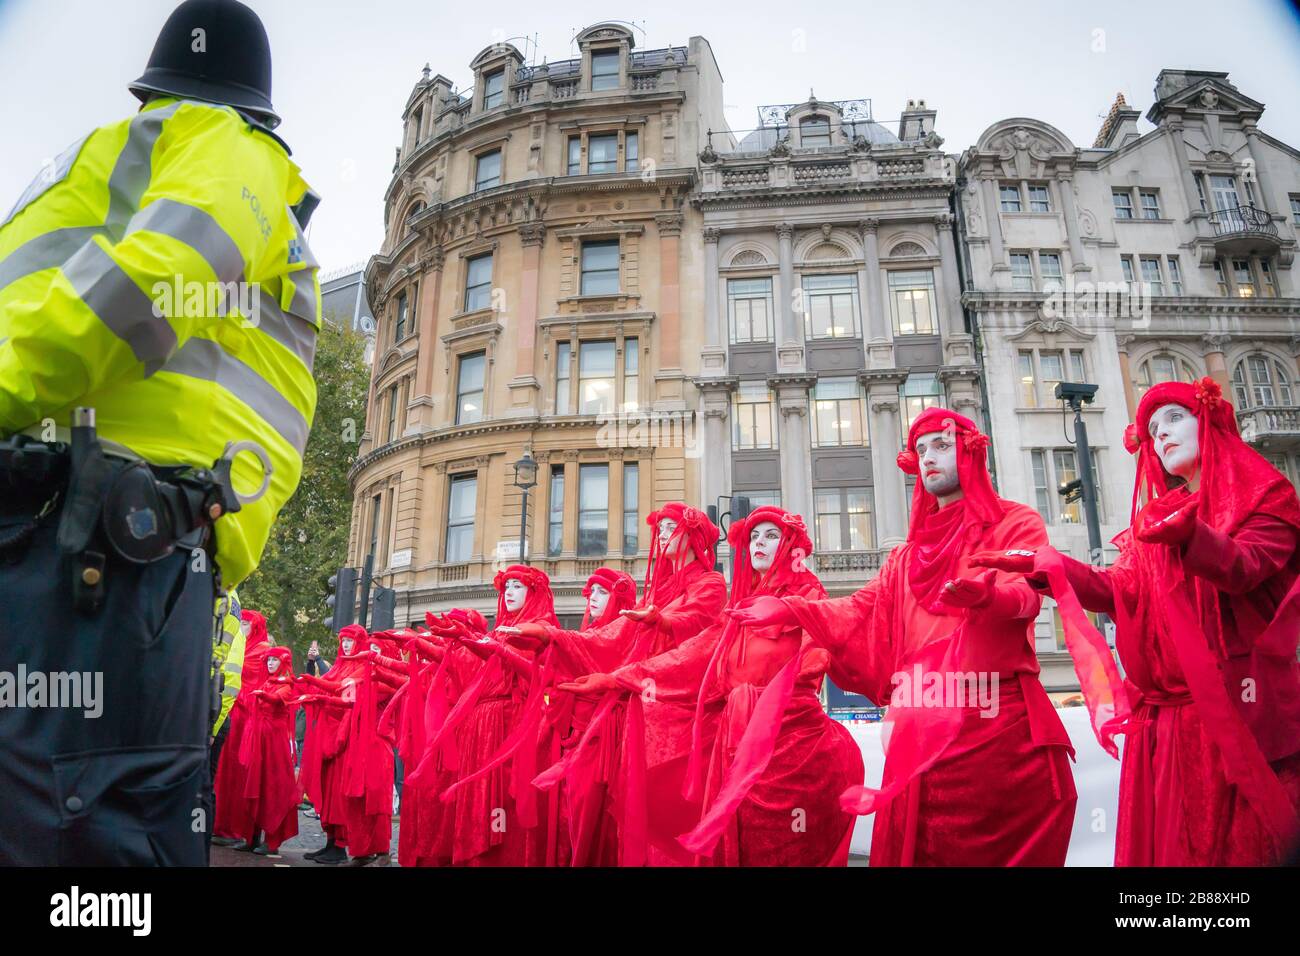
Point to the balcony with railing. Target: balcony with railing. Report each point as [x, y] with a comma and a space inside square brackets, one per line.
[1241, 230]
[1275, 427]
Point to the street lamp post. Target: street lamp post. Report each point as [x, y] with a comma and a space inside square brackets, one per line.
[1076, 395]
[525, 478]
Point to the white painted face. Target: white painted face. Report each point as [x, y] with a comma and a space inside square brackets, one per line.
[666, 528]
[245, 627]
[516, 594]
[764, 539]
[597, 601]
[374, 647]
[272, 664]
[1173, 430]
[347, 644]
[937, 454]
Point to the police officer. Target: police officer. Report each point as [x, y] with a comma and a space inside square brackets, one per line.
[158, 316]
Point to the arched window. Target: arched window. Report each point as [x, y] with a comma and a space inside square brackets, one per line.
[1260, 380]
[417, 207]
[814, 131]
[1162, 367]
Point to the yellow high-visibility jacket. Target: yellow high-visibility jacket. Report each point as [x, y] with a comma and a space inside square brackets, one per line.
[229, 653]
[156, 272]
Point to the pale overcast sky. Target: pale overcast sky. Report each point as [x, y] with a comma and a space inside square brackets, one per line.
[343, 70]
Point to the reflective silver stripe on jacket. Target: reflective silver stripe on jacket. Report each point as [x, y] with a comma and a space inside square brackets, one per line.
[197, 229]
[121, 305]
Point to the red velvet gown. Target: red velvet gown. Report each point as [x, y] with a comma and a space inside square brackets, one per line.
[645, 779]
[404, 720]
[267, 754]
[234, 811]
[791, 815]
[367, 759]
[1001, 793]
[321, 770]
[1176, 808]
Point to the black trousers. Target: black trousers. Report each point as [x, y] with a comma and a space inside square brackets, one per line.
[129, 785]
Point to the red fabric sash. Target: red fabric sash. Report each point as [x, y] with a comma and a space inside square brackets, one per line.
[1094, 665]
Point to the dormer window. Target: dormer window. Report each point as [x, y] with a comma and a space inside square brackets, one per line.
[814, 131]
[604, 70]
[494, 89]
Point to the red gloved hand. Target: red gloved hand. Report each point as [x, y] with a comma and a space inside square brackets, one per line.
[642, 615]
[763, 611]
[590, 684]
[968, 592]
[1016, 560]
[1169, 519]
[530, 636]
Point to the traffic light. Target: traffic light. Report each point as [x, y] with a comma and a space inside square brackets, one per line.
[342, 599]
[383, 609]
[740, 508]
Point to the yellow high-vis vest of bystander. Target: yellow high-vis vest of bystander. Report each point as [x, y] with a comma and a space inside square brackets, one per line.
[156, 272]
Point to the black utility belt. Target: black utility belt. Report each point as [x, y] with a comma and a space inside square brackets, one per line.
[143, 512]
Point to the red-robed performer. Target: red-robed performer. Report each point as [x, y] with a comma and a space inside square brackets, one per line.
[976, 770]
[329, 701]
[776, 764]
[494, 813]
[267, 755]
[1207, 607]
[635, 753]
[234, 812]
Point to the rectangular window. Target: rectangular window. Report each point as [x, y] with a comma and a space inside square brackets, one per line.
[478, 283]
[596, 379]
[1150, 204]
[1076, 365]
[631, 375]
[755, 417]
[494, 89]
[1175, 276]
[631, 152]
[461, 503]
[392, 413]
[1042, 493]
[843, 520]
[1051, 369]
[1039, 199]
[1220, 278]
[749, 303]
[487, 170]
[602, 153]
[1049, 269]
[1223, 189]
[1244, 278]
[911, 294]
[1123, 200]
[555, 513]
[919, 392]
[376, 511]
[600, 267]
[814, 131]
[604, 70]
[1295, 208]
[1064, 464]
[399, 320]
[563, 375]
[1199, 179]
[1266, 273]
[1022, 272]
[1151, 276]
[837, 413]
[575, 156]
[1126, 266]
[1009, 196]
[593, 510]
[762, 499]
[469, 388]
[1025, 369]
[832, 302]
[631, 512]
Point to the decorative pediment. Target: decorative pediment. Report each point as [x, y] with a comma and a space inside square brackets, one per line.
[1024, 147]
[1210, 93]
[827, 251]
[1050, 329]
[749, 257]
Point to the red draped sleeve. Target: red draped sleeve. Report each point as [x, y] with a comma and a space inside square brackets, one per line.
[1242, 561]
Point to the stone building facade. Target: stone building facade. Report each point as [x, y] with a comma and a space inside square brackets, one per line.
[1149, 255]
[832, 317]
[536, 292]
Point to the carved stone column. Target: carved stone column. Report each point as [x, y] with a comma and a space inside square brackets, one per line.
[715, 463]
[879, 340]
[890, 504]
[714, 358]
[1122, 343]
[1063, 184]
[796, 459]
[430, 296]
[1215, 362]
[790, 328]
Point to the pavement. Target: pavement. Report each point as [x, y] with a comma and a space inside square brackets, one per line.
[310, 837]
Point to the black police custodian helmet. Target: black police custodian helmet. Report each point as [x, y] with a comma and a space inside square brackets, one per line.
[215, 51]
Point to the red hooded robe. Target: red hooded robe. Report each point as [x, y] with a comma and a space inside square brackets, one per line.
[234, 812]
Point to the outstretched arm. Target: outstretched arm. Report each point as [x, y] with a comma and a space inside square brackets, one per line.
[1242, 561]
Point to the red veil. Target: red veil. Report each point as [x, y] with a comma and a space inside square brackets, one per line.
[662, 582]
[622, 595]
[1236, 482]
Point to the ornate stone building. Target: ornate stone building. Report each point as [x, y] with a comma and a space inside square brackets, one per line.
[832, 317]
[1151, 255]
[536, 292]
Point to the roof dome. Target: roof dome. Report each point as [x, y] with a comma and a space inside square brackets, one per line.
[764, 139]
